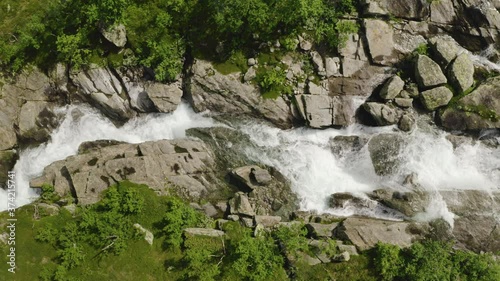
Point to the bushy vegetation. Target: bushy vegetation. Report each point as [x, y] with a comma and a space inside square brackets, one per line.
[433, 260]
[161, 33]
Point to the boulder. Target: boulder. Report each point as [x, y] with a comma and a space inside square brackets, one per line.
[208, 89]
[207, 232]
[365, 233]
[239, 205]
[461, 73]
[478, 110]
[148, 235]
[326, 111]
[351, 249]
[116, 34]
[382, 114]
[379, 35]
[403, 102]
[184, 164]
[428, 73]
[436, 97]
[341, 145]
[165, 97]
[392, 88]
[384, 152]
[249, 177]
[250, 74]
[318, 230]
[332, 66]
[343, 199]
[406, 123]
[443, 12]
[251, 62]
[445, 48]
[317, 60]
[408, 203]
[314, 89]
[36, 120]
[304, 44]
[103, 89]
[267, 221]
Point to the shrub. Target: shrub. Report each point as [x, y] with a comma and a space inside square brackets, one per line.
[387, 261]
[273, 83]
[179, 216]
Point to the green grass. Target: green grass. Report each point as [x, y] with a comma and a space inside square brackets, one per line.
[237, 62]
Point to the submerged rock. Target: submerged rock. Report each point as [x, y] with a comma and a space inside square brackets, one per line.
[384, 152]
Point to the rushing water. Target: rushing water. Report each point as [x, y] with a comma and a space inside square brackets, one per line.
[302, 155]
[81, 124]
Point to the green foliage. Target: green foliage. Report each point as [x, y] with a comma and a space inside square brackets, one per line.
[292, 237]
[257, 258]
[48, 194]
[433, 260]
[202, 256]
[422, 49]
[273, 83]
[179, 216]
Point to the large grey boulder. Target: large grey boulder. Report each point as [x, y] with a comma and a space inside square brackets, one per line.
[165, 97]
[208, 89]
[384, 152]
[392, 88]
[103, 89]
[317, 60]
[443, 12]
[342, 145]
[382, 114]
[445, 48]
[36, 120]
[184, 164]
[365, 233]
[239, 205]
[436, 97]
[319, 230]
[8, 137]
[321, 111]
[379, 35]
[332, 66]
[428, 73]
[478, 110]
[250, 177]
[208, 232]
[116, 34]
[461, 73]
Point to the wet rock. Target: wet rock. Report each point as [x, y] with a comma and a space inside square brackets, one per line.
[406, 123]
[384, 152]
[392, 88]
[116, 34]
[251, 176]
[461, 73]
[428, 73]
[436, 97]
[36, 120]
[408, 203]
[382, 114]
[342, 199]
[478, 110]
[341, 145]
[365, 233]
[7, 161]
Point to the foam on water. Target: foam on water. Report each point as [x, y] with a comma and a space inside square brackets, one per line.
[81, 124]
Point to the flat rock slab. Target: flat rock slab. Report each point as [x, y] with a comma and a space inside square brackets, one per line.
[204, 232]
[365, 233]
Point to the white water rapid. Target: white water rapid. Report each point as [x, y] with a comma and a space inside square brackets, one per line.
[81, 124]
[302, 155]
